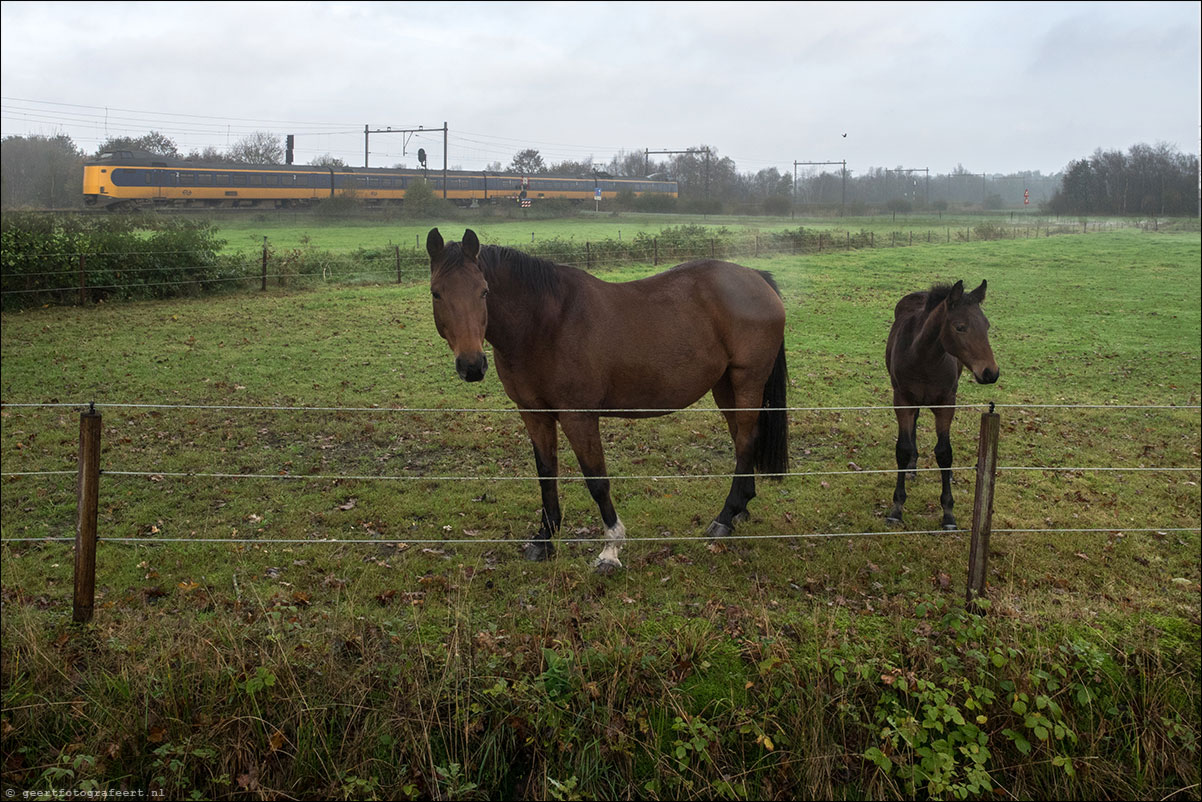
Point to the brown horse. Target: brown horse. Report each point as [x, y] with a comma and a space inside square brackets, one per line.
[569, 348]
[935, 335]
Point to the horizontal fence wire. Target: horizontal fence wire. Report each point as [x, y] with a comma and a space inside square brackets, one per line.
[981, 406]
[297, 477]
[569, 540]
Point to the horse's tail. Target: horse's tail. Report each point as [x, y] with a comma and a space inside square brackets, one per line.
[772, 435]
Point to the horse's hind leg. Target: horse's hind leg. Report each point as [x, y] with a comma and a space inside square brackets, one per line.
[742, 424]
[541, 428]
[906, 452]
[584, 433]
[943, 455]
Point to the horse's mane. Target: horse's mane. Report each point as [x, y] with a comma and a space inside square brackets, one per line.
[938, 292]
[535, 275]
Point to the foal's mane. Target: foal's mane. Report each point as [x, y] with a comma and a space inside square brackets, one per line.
[938, 292]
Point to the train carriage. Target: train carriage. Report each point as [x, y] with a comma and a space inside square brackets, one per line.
[128, 179]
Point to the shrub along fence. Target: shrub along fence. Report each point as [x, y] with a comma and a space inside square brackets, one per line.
[80, 260]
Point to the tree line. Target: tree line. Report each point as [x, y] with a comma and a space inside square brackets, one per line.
[1145, 180]
[44, 172]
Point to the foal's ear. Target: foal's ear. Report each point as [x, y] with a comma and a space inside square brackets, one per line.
[471, 244]
[434, 243]
[979, 293]
[953, 297]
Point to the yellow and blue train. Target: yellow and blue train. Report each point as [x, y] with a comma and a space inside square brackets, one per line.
[130, 179]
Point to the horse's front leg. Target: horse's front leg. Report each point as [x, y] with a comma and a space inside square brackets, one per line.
[541, 428]
[584, 433]
[943, 455]
[906, 452]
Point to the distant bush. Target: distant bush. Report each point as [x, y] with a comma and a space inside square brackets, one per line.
[121, 257]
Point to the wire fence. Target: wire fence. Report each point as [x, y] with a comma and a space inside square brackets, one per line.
[89, 474]
[159, 475]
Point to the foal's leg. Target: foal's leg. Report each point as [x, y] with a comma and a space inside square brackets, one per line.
[943, 455]
[541, 428]
[742, 423]
[584, 433]
[906, 452]
[912, 467]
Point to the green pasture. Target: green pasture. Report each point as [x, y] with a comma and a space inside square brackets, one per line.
[364, 626]
[291, 230]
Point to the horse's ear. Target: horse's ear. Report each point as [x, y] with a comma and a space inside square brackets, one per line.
[471, 244]
[434, 243]
[953, 297]
[979, 293]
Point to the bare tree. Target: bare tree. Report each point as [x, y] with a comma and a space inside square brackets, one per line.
[40, 171]
[326, 160]
[208, 154]
[259, 147]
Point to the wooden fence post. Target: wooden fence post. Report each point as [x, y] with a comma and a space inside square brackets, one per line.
[396, 250]
[88, 501]
[655, 246]
[982, 509]
[264, 287]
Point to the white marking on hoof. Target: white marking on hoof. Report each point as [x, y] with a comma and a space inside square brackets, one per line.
[607, 562]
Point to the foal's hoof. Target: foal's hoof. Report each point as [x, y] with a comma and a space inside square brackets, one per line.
[538, 551]
[717, 529]
[950, 527]
[607, 567]
[894, 519]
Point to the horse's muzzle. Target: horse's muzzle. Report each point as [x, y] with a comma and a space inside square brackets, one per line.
[471, 369]
[987, 376]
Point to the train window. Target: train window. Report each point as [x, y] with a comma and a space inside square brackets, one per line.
[238, 180]
[254, 180]
[187, 179]
[204, 179]
[223, 178]
[271, 180]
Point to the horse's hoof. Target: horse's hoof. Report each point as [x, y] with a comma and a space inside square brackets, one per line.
[911, 476]
[741, 517]
[537, 552]
[894, 519]
[607, 567]
[717, 529]
[950, 527]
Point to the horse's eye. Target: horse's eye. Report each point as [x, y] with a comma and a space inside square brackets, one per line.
[437, 295]
[961, 329]
[484, 294]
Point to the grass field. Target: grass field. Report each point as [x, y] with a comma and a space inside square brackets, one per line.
[792, 666]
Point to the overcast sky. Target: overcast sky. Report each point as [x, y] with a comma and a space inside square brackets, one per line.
[994, 87]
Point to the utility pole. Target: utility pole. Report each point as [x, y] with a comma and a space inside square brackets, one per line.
[367, 131]
[842, 200]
